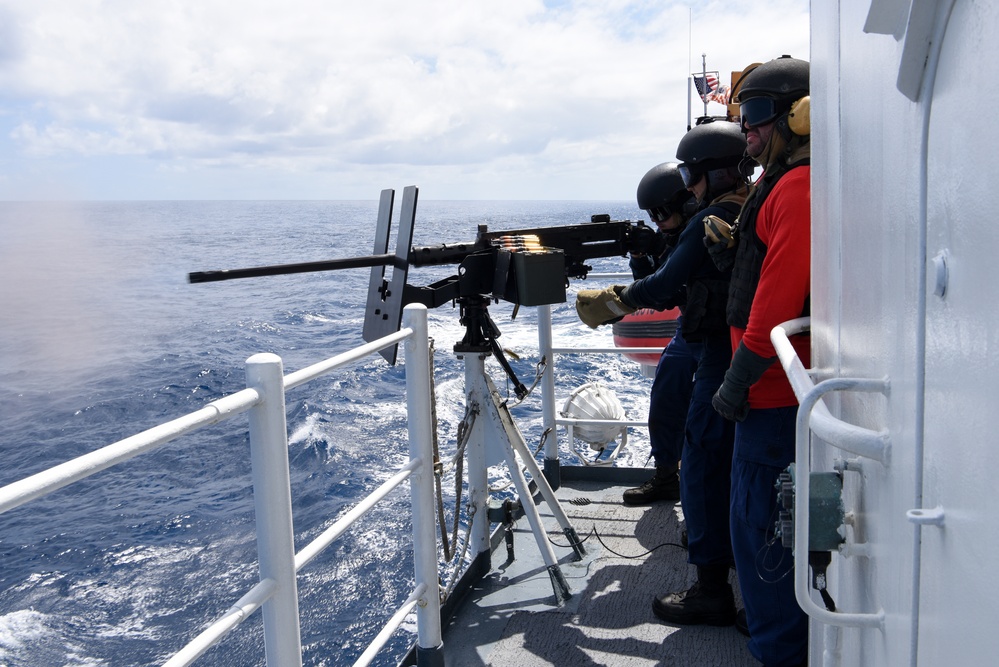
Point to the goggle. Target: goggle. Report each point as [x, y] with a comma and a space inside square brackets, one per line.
[660, 213]
[757, 111]
[689, 175]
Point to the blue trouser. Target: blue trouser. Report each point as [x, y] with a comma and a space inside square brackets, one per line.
[705, 478]
[670, 399]
[764, 446]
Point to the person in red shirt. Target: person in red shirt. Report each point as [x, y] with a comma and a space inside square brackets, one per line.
[770, 285]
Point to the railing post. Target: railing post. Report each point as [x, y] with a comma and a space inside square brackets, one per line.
[272, 504]
[552, 468]
[429, 649]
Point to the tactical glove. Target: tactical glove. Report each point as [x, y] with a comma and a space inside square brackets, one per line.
[720, 241]
[722, 257]
[717, 230]
[731, 400]
[601, 306]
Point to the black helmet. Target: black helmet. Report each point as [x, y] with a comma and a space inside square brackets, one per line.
[662, 188]
[781, 82]
[710, 146]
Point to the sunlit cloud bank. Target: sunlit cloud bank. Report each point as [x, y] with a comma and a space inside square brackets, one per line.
[521, 99]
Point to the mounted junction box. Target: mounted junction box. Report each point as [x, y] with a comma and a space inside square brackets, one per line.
[825, 510]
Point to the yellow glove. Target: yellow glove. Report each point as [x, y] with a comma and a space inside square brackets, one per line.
[601, 306]
[717, 231]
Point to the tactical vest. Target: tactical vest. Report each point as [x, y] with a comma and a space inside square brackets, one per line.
[704, 313]
[751, 251]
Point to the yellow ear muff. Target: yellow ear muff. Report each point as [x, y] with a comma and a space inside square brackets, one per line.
[798, 118]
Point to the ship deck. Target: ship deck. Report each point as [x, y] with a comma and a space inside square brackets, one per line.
[509, 617]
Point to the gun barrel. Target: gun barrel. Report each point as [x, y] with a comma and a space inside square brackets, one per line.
[304, 267]
[604, 238]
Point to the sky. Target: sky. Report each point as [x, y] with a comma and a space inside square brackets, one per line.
[339, 99]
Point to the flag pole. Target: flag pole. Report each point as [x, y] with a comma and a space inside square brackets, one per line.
[704, 73]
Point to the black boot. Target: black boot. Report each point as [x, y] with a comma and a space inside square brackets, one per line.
[708, 602]
[664, 485]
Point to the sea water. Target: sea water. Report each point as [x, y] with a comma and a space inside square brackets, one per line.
[101, 337]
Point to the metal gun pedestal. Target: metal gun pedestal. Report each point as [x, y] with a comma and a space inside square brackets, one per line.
[494, 437]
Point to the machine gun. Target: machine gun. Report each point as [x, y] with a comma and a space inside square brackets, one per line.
[529, 267]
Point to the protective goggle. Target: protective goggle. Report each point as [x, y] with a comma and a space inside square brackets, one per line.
[660, 213]
[689, 175]
[757, 111]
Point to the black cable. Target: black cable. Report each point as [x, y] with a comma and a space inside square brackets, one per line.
[819, 562]
[593, 533]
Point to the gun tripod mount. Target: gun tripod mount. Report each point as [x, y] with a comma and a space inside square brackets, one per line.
[480, 336]
[494, 438]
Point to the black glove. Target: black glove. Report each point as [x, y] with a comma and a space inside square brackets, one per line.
[722, 257]
[731, 400]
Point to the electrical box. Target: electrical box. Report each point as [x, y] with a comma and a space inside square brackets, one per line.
[825, 510]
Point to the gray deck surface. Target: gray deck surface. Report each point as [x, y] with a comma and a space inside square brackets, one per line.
[510, 618]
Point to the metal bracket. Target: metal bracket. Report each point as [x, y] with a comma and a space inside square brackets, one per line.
[926, 517]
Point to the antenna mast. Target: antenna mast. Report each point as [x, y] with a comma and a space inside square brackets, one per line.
[690, 77]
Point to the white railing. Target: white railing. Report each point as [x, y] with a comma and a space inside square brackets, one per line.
[814, 417]
[277, 592]
[547, 350]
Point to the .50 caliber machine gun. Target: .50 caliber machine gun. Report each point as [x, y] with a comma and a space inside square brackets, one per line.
[529, 267]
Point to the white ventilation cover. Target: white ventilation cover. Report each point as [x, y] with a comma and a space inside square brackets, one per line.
[594, 401]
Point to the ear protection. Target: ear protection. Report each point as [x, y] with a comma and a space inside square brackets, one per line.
[689, 208]
[798, 119]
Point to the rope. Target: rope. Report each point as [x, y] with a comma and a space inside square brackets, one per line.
[458, 465]
[438, 468]
[464, 550]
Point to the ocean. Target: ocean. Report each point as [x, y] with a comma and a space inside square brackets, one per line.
[101, 337]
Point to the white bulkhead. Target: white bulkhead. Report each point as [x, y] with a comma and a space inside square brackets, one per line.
[905, 257]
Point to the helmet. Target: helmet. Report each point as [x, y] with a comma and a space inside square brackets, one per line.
[661, 191]
[778, 84]
[785, 79]
[710, 146]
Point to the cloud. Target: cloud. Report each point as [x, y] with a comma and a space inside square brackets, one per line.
[10, 43]
[332, 85]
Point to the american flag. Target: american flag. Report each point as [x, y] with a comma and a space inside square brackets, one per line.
[706, 84]
[720, 95]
